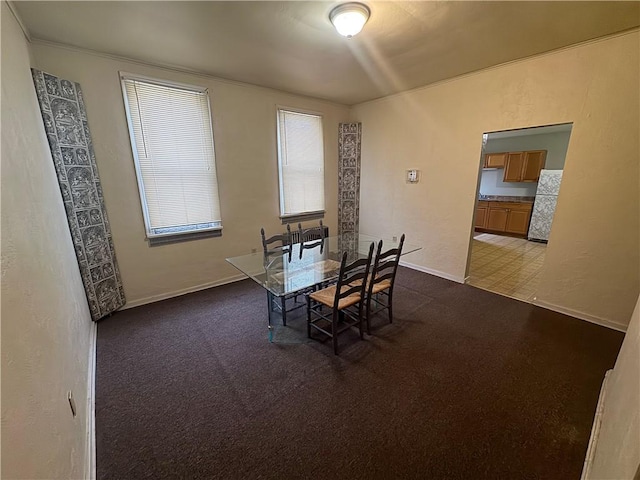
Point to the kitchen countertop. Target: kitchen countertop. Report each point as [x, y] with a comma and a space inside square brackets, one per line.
[504, 198]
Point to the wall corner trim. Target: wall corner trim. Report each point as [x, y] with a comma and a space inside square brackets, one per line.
[90, 449]
[23, 27]
[595, 429]
[431, 271]
[603, 322]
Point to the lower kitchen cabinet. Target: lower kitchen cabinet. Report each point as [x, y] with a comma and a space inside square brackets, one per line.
[497, 219]
[504, 217]
[481, 214]
[518, 221]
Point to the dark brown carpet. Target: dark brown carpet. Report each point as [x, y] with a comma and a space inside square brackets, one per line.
[465, 384]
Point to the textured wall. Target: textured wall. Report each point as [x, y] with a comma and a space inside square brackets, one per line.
[617, 451]
[244, 127]
[592, 260]
[46, 326]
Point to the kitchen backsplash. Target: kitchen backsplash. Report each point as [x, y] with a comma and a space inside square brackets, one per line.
[491, 184]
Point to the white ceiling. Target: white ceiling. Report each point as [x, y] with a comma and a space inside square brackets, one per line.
[292, 46]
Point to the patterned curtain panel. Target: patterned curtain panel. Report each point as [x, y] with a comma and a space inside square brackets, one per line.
[350, 136]
[65, 121]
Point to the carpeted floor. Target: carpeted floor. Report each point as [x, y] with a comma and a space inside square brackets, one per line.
[465, 384]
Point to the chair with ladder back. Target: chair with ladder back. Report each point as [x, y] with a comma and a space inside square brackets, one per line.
[336, 309]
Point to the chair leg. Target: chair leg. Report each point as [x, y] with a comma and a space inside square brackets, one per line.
[283, 303]
[269, 310]
[390, 306]
[308, 317]
[334, 332]
[360, 320]
[368, 319]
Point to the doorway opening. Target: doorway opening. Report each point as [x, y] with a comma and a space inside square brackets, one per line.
[518, 185]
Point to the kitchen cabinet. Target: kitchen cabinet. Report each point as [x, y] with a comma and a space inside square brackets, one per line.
[518, 221]
[513, 167]
[481, 214]
[504, 217]
[524, 166]
[497, 219]
[495, 160]
[533, 163]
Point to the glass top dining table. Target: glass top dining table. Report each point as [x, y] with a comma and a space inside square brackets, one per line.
[285, 273]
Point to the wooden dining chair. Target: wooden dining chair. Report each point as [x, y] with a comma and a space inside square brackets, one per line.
[277, 244]
[311, 237]
[381, 282]
[346, 299]
[274, 247]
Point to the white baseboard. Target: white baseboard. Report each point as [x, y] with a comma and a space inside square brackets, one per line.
[90, 449]
[595, 429]
[581, 315]
[431, 271]
[184, 291]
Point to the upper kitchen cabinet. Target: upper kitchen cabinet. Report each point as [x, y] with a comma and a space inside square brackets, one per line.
[524, 166]
[495, 160]
[513, 167]
[533, 163]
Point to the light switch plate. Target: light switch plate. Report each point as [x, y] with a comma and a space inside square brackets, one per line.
[413, 176]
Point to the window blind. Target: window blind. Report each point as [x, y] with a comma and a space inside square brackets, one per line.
[300, 162]
[172, 143]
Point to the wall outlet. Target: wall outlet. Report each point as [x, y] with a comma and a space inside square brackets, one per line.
[72, 402]
[413, 176]
[395, 239]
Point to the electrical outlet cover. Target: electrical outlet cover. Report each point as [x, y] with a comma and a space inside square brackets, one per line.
[412, 176]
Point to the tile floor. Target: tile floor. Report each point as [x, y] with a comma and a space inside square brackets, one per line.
[506, 265]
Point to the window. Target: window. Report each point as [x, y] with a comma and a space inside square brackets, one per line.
[172, 143]
[300, 163]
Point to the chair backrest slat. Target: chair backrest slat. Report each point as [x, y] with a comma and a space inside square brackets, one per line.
[349, 274]
[388, 253]
[282, 243]
[311, 237]
[381, 267]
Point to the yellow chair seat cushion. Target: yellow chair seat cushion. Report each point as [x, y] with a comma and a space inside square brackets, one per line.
[327, 297]
[377, 288]
[383, 285]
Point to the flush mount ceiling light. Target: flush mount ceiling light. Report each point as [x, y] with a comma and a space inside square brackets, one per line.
[349, 18]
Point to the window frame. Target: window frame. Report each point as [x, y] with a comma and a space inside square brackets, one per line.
[173, 236]
[300, 216]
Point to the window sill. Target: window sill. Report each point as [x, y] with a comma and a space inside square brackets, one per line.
[183, 237]
[301, 217]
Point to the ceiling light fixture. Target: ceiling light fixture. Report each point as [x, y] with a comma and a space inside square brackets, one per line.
[349, 18]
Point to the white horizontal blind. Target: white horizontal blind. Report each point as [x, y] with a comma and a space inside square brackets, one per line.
[300, 162]
[172, 141]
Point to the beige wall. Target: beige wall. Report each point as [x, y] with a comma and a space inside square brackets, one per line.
[593, 255]
[46, 327]
[617, 448]
[244, 127]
